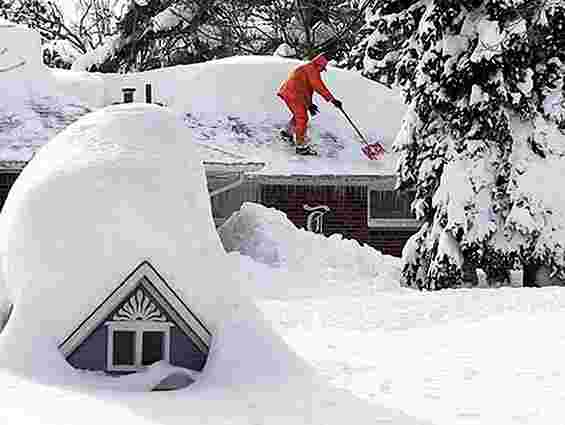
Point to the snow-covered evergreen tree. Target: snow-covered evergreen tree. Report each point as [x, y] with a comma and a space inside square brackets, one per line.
[484, 84]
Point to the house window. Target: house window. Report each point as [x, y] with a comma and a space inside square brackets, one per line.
[123, 353]
[132, 345]
[390, 208]
[152, 347]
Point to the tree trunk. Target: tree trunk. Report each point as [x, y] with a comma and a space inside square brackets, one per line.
[470, 276]
[529, 276]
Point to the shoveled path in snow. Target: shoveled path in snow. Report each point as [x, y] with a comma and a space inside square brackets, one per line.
[479, 356]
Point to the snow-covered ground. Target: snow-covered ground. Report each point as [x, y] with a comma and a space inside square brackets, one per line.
[467, 357]
[310, 330]
[479, 356]
[471, 356]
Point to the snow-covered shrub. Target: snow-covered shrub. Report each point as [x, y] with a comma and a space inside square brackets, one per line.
[415, 259]
[446, 269]
[484, 81]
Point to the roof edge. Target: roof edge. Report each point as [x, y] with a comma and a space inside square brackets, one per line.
[12, 165]
[210, 166]
[326, 179]
[196, 329]
[245, 167]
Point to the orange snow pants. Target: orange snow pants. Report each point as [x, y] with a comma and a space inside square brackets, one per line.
[299, 120]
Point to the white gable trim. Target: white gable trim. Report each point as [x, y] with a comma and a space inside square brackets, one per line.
[183, 317]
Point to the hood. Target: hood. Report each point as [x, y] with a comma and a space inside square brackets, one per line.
[321, 62]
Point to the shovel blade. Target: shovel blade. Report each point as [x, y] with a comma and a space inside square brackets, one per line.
[373, 151]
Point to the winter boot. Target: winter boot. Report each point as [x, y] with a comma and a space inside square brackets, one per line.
[286, 136]
[306, 150]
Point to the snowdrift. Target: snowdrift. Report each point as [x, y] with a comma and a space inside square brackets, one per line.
[96, 201]
[269, 237]
[160, 376]
[102, 196]
[120, 170]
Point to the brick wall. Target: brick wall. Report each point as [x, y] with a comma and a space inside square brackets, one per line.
[348, 206]
[389, 241]
[347, 216]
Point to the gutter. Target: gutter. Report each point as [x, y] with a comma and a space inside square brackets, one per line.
[226, 167]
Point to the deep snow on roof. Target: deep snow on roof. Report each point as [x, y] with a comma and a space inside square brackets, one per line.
[230, 106]
[28, 121]
[232, 109]
[31, 109]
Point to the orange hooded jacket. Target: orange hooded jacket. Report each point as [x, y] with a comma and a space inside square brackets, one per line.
[303, 81]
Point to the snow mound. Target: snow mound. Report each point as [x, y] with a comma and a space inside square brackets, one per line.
[267, 236]
[117, 187]
[96, 201]
[160, 376]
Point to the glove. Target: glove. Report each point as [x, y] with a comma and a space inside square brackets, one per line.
[337, 103]
[313, 109]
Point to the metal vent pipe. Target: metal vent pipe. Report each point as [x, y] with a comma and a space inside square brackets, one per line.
[148, 95]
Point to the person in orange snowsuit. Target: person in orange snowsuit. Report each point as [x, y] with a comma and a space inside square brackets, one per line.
[297, 93]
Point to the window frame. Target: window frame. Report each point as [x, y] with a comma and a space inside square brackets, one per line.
[407, 223]
[138, 327]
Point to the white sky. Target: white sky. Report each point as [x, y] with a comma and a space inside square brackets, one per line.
[67, 7]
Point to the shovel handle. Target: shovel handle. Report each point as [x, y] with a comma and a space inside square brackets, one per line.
[354, 126]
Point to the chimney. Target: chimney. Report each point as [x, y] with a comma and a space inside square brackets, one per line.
[128, 94]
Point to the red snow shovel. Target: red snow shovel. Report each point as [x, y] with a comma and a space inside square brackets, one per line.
[373, 151]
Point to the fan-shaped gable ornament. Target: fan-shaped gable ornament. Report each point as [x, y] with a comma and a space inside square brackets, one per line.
[141, 322]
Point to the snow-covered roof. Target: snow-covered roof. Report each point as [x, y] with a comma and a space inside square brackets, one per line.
[229, 105]
[218, 160]
[232, 109]
[28, 119]
[31, 109]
